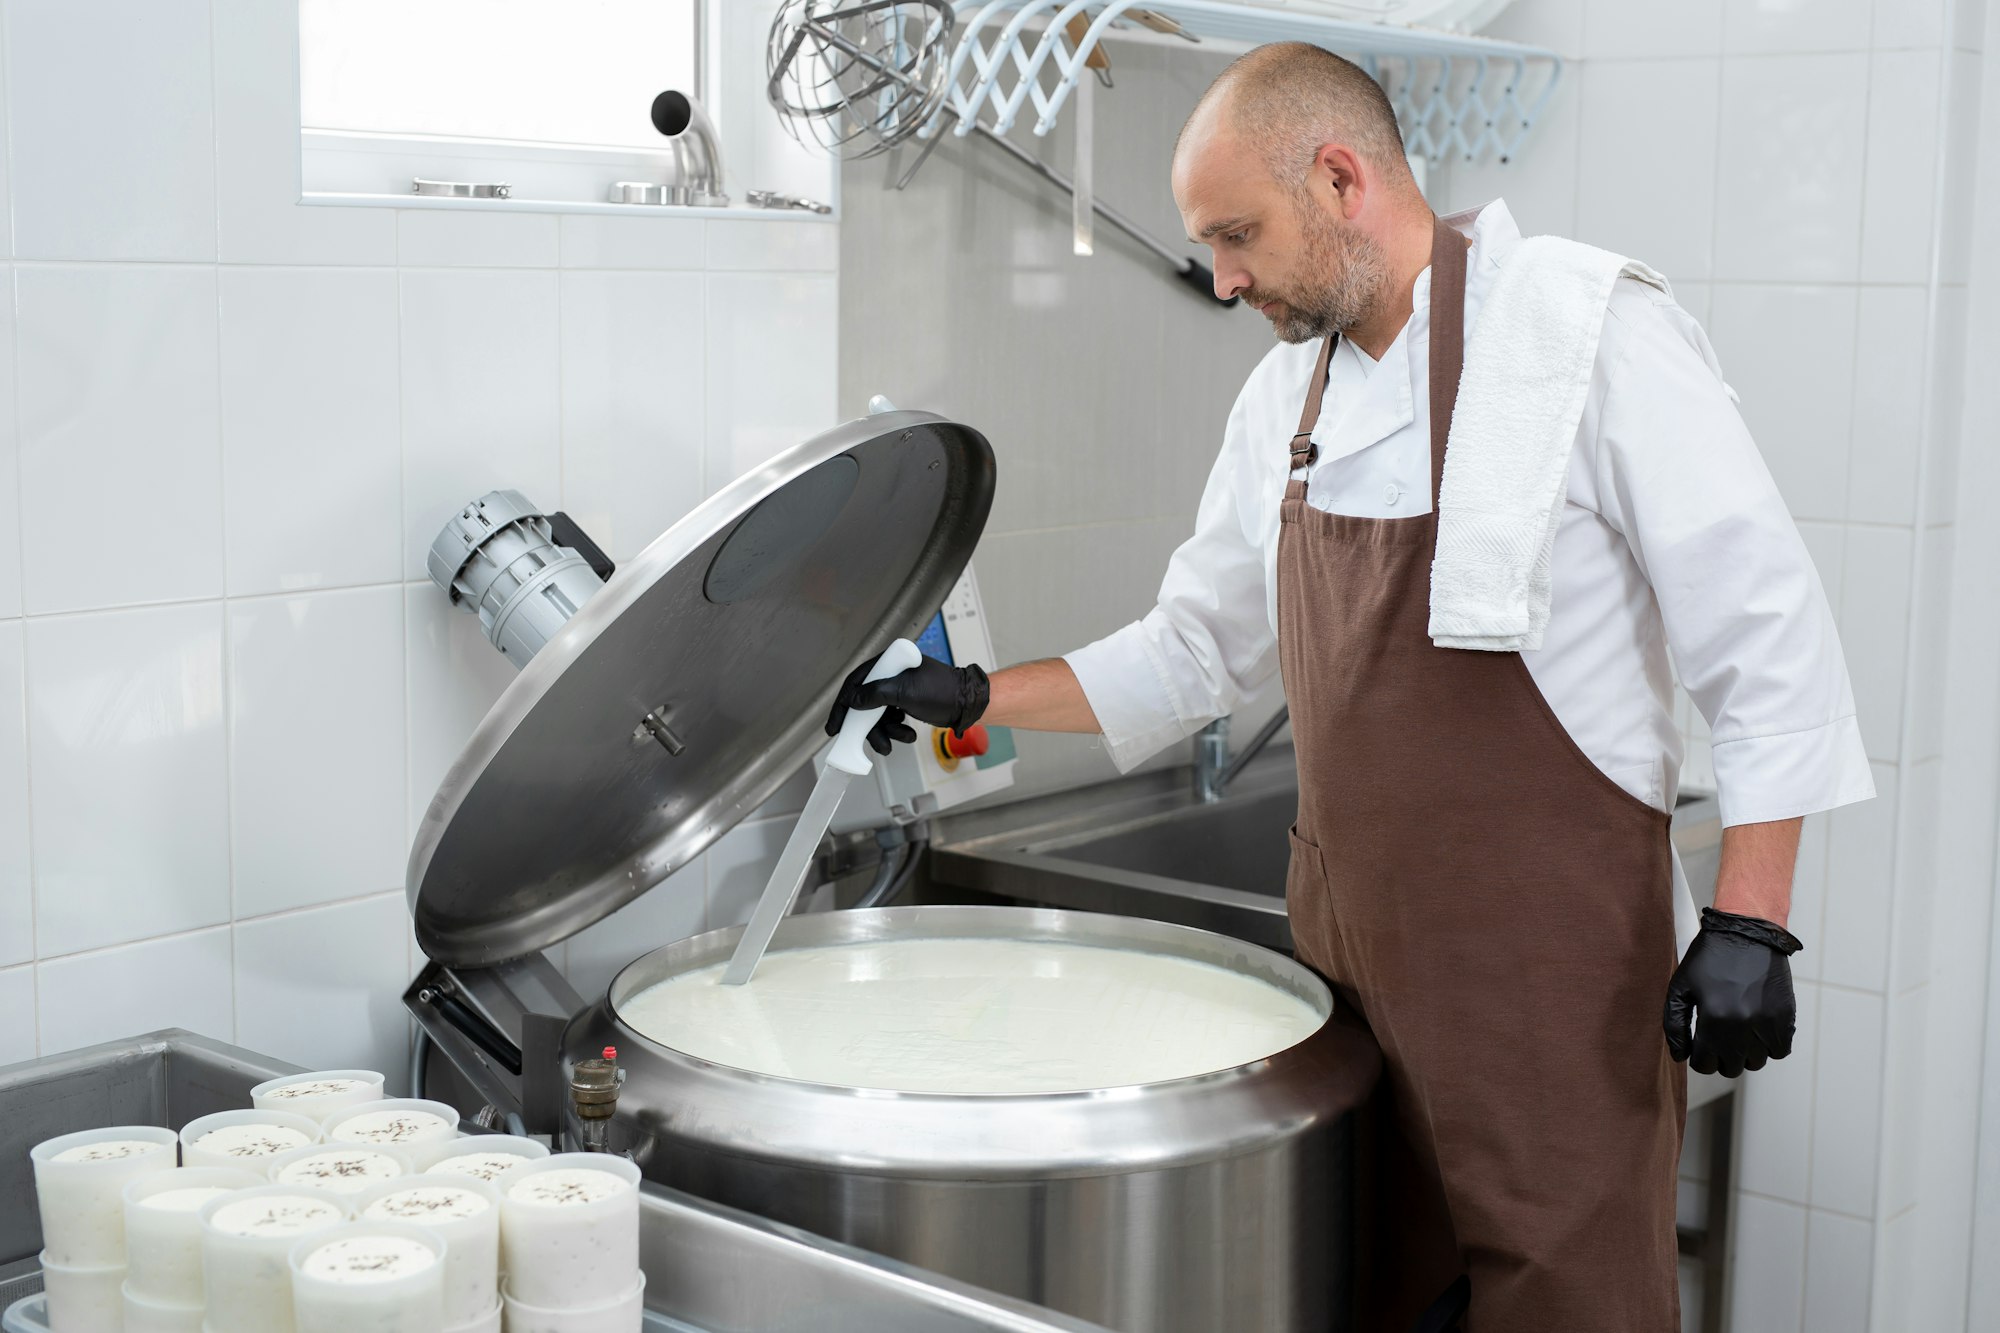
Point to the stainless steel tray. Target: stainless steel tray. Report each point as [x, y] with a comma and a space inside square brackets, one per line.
[712, 1269]
[30, 1315]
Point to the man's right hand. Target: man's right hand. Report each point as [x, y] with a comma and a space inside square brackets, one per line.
[931, 691]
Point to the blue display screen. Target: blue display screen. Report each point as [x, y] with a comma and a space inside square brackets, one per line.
[933, 641]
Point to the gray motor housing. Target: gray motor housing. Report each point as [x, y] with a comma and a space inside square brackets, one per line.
[525, 572]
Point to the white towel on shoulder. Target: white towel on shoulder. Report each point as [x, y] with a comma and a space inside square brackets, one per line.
[1528, 363]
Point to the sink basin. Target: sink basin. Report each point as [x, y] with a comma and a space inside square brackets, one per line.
[1143, 846]
[1236, 844]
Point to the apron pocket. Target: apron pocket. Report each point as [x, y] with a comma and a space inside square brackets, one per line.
[1308, 907]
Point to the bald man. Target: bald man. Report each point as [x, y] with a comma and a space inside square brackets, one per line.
[1481, 866]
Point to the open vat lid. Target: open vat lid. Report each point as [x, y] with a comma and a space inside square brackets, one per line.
[681, 696]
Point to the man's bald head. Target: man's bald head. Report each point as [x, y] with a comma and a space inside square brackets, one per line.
[1288, 99]
[1291, 171]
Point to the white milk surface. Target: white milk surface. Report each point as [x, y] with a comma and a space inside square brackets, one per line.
[974, 1016]
[251, 1140]
[365, 1259]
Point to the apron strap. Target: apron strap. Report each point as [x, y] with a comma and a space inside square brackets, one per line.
[1448, 249]
[1304, 451]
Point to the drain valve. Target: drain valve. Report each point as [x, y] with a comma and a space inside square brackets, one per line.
[593, 1092]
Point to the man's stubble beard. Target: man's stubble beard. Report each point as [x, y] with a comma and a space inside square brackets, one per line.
[1345, 272]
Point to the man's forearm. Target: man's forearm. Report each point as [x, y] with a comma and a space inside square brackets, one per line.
[1755, 878]
[1039, 696]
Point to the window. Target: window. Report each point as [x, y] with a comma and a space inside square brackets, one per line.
[578, 72]
[553, 98]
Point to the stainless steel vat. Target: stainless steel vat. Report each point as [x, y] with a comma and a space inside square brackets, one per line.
[1214, 1202]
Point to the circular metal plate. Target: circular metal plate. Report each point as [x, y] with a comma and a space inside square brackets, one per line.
[732, 630]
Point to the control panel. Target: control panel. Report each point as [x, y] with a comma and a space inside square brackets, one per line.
[942, 769]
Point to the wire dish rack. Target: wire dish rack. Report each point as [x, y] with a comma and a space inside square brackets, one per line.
[1459, 96]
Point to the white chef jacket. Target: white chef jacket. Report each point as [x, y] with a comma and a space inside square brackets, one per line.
[1673, 541]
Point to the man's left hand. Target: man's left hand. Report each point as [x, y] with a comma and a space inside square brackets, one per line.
[1730, 1005]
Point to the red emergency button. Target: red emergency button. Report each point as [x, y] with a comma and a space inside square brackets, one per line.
[953, 746]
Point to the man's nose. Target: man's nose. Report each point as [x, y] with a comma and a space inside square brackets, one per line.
[1230, 283]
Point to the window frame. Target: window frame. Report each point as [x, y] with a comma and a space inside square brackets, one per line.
[350, 168]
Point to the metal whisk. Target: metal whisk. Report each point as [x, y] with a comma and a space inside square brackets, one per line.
[859, 76]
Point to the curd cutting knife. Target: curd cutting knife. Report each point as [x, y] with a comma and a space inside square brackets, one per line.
[847, 760]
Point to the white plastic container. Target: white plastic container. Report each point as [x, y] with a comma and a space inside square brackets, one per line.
[482, 1156]
[486, 1323]
[163, 1230]
[627, 1314]
[80, 1184]
[398, 1122]
[145, 1315]
[84, 1300]
[343, 1168]
[246, 1246]
[243, 1140]
[369, 1277]
[465, 1214]
[569, 1229]
[317, 1096]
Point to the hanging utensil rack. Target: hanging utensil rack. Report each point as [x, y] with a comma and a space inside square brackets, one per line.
[1459, 96]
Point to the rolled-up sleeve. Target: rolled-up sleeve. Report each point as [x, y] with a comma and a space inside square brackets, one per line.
[1745, 615]
[1209, 639]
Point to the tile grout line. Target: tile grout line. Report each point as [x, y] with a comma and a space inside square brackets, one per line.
[1914, 592]
[21, 562]
[227, 640]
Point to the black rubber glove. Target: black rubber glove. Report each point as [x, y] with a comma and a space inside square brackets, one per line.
[931, 691]
[1736, 985]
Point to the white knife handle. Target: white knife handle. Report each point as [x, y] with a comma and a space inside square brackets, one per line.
[850, 752]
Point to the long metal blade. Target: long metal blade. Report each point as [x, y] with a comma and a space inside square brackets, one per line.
[787, 875]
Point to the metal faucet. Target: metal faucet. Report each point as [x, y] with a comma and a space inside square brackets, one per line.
[1214, 769]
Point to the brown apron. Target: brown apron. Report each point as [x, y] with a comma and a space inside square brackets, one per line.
[1496, 910]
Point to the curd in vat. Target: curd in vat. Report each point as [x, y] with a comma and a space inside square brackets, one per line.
[974, 1016]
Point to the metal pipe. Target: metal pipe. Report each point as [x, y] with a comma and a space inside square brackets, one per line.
[420, 1056]
[1188, 270]
[1257, 742]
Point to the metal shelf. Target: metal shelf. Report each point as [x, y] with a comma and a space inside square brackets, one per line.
[1459, 96]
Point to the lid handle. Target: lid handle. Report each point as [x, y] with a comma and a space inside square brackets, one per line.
[850, 749]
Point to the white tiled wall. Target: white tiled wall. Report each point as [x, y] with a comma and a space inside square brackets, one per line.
[229, 427]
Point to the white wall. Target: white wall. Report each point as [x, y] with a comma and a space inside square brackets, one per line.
[232, 426]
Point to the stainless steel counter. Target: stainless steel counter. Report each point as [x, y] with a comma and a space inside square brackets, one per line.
[1144, 846]
[707, 1267]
